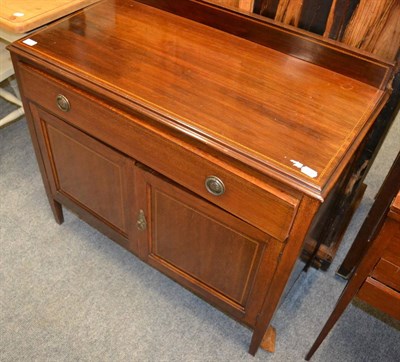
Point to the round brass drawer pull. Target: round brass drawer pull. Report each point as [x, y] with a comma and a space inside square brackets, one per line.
[215, 186]
[63, 103]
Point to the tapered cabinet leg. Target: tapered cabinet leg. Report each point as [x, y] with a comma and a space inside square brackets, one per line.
[337, 312]
[268, 341]
[289, 254]
[57, 211]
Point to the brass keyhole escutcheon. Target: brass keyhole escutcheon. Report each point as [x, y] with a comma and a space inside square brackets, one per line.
[141, 222]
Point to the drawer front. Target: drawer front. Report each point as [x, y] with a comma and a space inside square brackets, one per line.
[387, 273]
[392, 251]
[263, 206]
[387, 270]
[380, 296]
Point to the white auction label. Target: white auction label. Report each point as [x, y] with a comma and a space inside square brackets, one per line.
[30, 42]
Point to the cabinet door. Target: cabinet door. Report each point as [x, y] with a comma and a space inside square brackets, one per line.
[209, 251]
[92, 179]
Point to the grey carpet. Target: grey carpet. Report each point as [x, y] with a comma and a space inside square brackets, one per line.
[70, 294]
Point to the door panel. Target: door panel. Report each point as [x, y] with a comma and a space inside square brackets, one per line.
[205, 249]
[83, 170]
[92, 176]
[208, 250]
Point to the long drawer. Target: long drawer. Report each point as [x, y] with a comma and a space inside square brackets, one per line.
[387, 270]
[269, 209]
[380, 296]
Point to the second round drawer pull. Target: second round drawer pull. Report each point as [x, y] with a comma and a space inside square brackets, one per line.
[215, 186]
[63, 103]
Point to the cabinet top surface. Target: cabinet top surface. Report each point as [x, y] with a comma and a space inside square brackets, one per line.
[251, 102]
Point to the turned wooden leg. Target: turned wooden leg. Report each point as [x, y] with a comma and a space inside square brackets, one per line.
[268, 341]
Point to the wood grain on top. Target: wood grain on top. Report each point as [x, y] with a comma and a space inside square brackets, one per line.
[283, 116]
[21, 16]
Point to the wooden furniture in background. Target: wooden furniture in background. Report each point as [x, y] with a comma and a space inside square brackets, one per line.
[17, 18]
[22, 16]
[243, 5]
[6, 73]
[373, 222]
[376, 280]
[373, 26]
[190, 146]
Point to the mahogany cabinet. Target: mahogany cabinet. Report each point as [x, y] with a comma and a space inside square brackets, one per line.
[166, 134]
